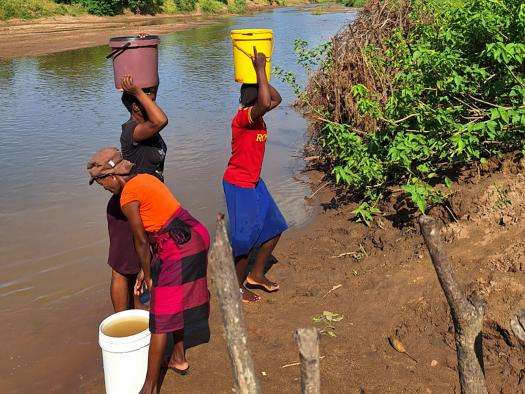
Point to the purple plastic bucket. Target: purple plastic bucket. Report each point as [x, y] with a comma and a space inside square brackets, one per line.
[135, 56]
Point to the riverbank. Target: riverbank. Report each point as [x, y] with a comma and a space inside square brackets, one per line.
[62, 33]
[55, 278]
[383, 284]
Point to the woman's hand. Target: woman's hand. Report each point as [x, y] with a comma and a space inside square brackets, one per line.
[141, 282]
[129, 86]
[259, 60]
[137, 289]
[149, 283]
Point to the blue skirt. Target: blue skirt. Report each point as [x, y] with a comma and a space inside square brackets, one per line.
[254, 217]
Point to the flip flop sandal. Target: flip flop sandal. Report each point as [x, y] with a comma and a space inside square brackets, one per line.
[259, 286]
[182, 372]
[248, 301]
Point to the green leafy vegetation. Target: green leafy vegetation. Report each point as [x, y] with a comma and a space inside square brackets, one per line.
[29, 9]
[185, 5]
[400, 104]
[353, 3]
[503, 198]
[211, 6]
[102, 7]
[145, 6]
[169, 7]
[328, 319]
[237, 7]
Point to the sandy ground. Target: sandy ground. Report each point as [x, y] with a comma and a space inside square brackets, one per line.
[388, 286]
[49, 35]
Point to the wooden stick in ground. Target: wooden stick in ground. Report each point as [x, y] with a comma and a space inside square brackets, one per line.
[222, 271]
[308, 341]
[467, 313]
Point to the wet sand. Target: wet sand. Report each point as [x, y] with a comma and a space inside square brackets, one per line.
[50, 35]
[383, 284]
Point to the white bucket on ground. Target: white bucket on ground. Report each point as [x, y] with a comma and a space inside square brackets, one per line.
[125, 358]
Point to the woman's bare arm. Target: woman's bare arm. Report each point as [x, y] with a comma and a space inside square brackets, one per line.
[275, 97]
[140, 238]
[156, 118]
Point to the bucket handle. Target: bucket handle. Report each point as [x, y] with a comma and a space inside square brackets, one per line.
[246, 53]
[121, 49]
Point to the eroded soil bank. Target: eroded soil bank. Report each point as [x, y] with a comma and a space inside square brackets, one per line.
[50, 35]
[388, 287]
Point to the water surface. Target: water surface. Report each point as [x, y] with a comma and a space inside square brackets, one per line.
[59, 109]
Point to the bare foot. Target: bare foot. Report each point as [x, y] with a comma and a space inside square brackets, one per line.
[248, 296]
[263, 283]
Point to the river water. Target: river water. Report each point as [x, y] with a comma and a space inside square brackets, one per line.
[57, 110]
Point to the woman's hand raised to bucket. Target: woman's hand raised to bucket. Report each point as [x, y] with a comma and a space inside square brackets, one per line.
[129, 86]
[259, 60]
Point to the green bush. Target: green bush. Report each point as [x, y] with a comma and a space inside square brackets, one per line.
[185, 5]
[238, 7]
[102, 7]
[169, 7]
[144, 6]
[445, 90]
[211, 6]
[116, 7]
[28, 9]
[353, 3]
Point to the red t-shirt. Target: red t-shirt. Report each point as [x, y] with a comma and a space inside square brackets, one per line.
[248, 143]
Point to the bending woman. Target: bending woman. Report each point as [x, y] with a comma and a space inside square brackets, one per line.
[174, 269]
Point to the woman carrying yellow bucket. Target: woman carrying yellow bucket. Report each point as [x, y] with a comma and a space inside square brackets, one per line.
[244, 41]
[254, 218]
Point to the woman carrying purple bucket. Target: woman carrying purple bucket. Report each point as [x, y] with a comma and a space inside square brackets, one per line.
[142, 145]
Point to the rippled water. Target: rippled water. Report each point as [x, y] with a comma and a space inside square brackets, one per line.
[59, 109]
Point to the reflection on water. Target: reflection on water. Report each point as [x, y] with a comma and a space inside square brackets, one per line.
[58, 109]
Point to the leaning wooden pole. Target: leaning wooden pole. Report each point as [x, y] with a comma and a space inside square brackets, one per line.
[308, 341]
[467, 313]
[222, 271]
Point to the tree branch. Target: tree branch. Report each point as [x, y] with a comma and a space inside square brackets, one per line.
[467, 313]
[222, 271]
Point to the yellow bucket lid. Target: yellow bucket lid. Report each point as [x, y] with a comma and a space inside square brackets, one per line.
[251, 34]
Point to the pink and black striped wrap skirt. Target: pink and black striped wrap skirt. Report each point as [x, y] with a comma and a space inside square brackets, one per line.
[180, 299]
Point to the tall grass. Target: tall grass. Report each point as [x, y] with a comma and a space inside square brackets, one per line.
[169, 7]
[212, 7]
[28, 9]
[353, 3]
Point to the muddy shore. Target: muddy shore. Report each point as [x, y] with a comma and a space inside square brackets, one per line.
[50, 35]
[387, 286]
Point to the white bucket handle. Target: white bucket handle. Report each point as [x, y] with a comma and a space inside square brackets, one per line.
[269, 58]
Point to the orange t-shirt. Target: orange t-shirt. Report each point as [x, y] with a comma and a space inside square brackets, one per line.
[157, 203]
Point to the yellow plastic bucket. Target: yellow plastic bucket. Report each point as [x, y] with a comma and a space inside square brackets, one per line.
[243, 42]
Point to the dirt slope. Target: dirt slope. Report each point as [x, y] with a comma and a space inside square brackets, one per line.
[388, 286]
